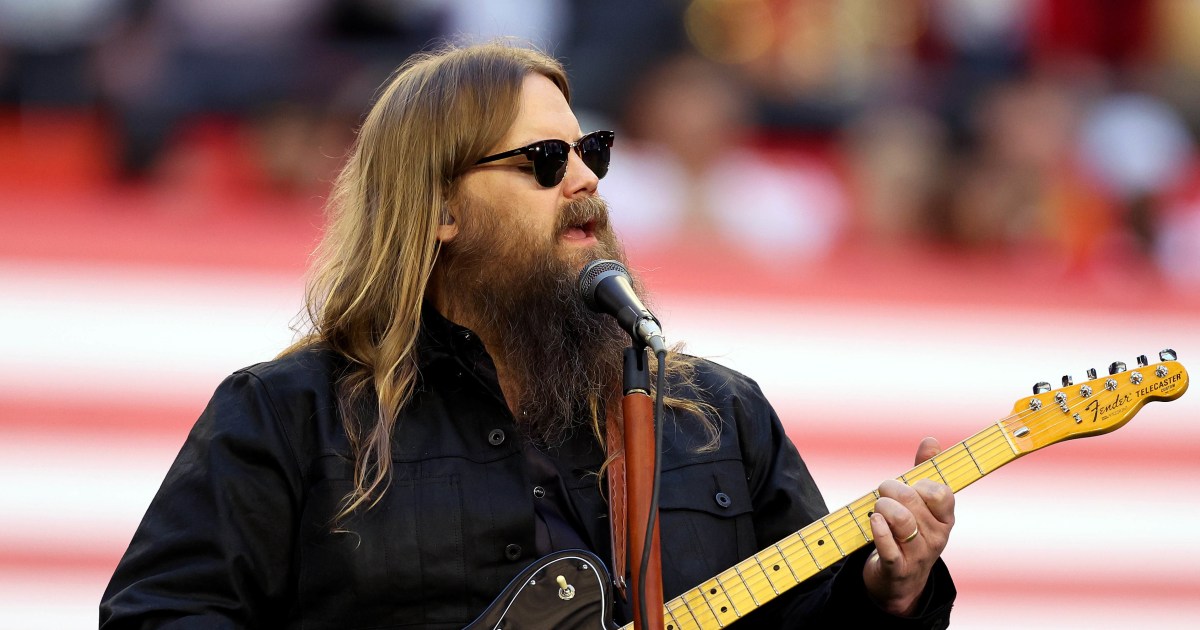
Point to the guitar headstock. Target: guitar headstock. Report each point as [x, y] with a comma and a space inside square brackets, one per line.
[1097, 406]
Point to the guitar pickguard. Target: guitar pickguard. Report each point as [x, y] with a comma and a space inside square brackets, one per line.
[535, 599]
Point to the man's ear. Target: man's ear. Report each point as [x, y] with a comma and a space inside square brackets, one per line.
[448, 229]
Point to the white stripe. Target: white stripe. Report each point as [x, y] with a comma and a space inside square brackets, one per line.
[135, 336]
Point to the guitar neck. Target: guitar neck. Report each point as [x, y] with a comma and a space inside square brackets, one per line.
[757, 580]
[1098, 406]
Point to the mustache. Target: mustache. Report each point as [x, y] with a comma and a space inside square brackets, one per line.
[578, 212]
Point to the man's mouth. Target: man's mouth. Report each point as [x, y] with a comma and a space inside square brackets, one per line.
[580, 231]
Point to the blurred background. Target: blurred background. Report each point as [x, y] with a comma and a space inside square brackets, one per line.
[897, 216]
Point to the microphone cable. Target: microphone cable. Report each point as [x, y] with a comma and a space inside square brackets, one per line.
[652, 518]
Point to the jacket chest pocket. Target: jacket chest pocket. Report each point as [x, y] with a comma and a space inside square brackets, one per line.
[401, 560]
[707, 522]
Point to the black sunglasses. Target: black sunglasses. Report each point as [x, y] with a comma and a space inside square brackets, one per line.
[549, 157]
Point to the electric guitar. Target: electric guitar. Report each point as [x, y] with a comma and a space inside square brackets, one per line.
[568, 590]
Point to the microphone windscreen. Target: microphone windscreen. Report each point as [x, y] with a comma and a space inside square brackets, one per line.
[591, 276]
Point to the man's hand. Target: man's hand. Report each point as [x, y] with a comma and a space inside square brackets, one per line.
[911, 526]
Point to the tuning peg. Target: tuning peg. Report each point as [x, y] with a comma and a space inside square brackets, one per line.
[1067, 380]
[1116, 368]
[1041, 388]
[1142, 361]
[1167, 355]
[1091, 373]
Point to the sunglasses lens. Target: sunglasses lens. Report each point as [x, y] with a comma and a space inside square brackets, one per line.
[595, 149]
[550, 157]
[550, 162]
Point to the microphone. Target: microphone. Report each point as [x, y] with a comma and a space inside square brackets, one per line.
[606, 287]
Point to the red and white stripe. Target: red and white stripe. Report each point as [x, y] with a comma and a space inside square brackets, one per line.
[115, 333]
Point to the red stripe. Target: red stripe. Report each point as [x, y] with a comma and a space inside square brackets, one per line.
[120, 422]
[1033, 585]
[66, 418]
[154, 228]
[1153, 450]
[140, 229]
[23, 561]
[976, 583]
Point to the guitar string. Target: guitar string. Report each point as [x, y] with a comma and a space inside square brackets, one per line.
[838, 533]
[992, 440]
[992, 444]
[760, 579]
[990, 450]
[716, 585]
[847, 528]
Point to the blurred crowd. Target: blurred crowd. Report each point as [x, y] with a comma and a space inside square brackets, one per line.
[784, 129]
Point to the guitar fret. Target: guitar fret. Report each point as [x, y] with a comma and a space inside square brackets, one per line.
[967, 448]
[854, 518]
[704, 596]
[832, 537]
[680, 602]
[933, 460]
[989, 441]
[692, 612]
[1007, 438]
[958, 467]
[789, 562]
[770, 582]
[728, 598]
[674, 625]
[747, 585]
[810, 552]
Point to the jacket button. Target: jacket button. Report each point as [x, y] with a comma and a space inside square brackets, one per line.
[723, 500]
[496, 437]
[538, 492]
[512, 552]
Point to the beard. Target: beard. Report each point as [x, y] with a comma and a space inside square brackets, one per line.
[518, 290]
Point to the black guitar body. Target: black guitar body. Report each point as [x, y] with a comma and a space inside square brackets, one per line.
[534, 600]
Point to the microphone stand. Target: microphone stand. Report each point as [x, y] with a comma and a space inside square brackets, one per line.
[641, 462]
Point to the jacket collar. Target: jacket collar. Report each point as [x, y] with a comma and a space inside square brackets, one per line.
[440, 337]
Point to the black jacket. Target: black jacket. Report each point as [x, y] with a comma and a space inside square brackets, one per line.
[239, 534]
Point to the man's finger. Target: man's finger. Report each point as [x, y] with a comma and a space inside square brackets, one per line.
[887, 541]
[938, 498]
[928, 448]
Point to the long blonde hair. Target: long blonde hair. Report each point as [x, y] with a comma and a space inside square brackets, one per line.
[437, 115]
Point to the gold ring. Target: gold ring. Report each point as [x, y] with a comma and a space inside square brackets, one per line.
[911, 536]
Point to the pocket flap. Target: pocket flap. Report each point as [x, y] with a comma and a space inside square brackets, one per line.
[718, 488]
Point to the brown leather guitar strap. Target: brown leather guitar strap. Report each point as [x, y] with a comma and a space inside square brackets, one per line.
[616, 505]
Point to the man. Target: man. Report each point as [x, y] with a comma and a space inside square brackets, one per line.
[444, 423]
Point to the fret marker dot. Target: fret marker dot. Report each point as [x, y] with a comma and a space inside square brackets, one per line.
[775, 568]
[820, 542]
[713, 592]
[724, 609]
